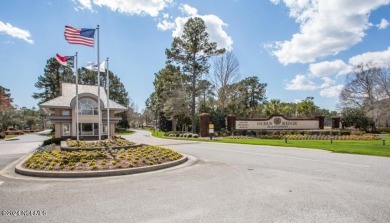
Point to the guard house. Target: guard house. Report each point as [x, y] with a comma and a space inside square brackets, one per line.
[62, 111]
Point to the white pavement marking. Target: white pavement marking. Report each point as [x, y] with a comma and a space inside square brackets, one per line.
[1, 182]
[288, 157]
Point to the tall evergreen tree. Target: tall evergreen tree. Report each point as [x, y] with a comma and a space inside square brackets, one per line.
[204, 91]
[192, 51]
[55, 74]
[170, 87]
[118, 91]
[50, 81]
[253, 93]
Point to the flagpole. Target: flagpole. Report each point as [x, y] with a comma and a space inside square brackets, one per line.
[108, 102]
[77, 98]
[98, 62]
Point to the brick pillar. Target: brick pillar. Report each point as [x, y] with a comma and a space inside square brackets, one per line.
[204, 120]
[321, 121]
[231, 122]
[336, 122]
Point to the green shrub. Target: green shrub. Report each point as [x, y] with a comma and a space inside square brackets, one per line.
[357, 132]
[252, 133]
[345, 132]
[56, 141]
[334, 133]
[120, 130]
[173, 132]
[2, 135]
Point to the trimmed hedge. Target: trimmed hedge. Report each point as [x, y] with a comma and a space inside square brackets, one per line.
[184, 135]
[56, 141]
[13, 132]
[176, 133]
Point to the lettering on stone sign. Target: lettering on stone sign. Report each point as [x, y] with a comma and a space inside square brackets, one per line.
[264, 123]
[289, 123]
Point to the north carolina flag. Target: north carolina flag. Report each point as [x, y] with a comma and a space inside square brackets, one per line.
[79, 36]
[65, 60]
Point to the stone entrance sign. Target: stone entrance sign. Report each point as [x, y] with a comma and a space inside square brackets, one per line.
[279, 123]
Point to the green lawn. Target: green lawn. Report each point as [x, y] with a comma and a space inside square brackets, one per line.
[373, 147]
[126, 133]
[155, 133]
[10, 136]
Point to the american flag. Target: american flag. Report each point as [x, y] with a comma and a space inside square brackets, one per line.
[79, 36]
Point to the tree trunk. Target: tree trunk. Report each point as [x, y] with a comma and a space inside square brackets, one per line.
[174, 123]
[193, 103]
[193, 128]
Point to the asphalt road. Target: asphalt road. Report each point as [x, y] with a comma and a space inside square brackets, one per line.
[14, 148]
[227, 183]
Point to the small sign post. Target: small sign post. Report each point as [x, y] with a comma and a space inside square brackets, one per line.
[211, 130]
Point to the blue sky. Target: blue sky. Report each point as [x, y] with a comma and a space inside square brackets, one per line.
[299, 47]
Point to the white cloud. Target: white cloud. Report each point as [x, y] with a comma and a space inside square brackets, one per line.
[326, 28]
[327, 82]
[331, 92]
[329, 68]
[189, 10]
[165, 15]
[383, 25]
[328, 72]
[6, 28]
[165, 25]
[300, 83]
[378, 57]
[84, 4]
[275, 2]
[215, 26]
[132, 7]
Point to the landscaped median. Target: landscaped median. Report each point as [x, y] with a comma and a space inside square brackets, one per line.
[50, 161]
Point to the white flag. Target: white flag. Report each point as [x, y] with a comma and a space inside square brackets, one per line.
[93, 66]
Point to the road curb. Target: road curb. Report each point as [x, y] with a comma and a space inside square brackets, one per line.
[99, 173]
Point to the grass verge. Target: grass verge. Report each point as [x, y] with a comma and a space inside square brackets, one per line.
[126, 133]
[370, 147]
[10, 136]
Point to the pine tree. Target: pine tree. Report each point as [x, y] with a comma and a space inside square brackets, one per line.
[50, 81]
[192, 51]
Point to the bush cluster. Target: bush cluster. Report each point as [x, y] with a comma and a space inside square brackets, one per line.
[183, 135]
[173, 133]
[2, 135]
[53, 140]
[120, 130]
[114, 142]
[240, 137]
[323, 137]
